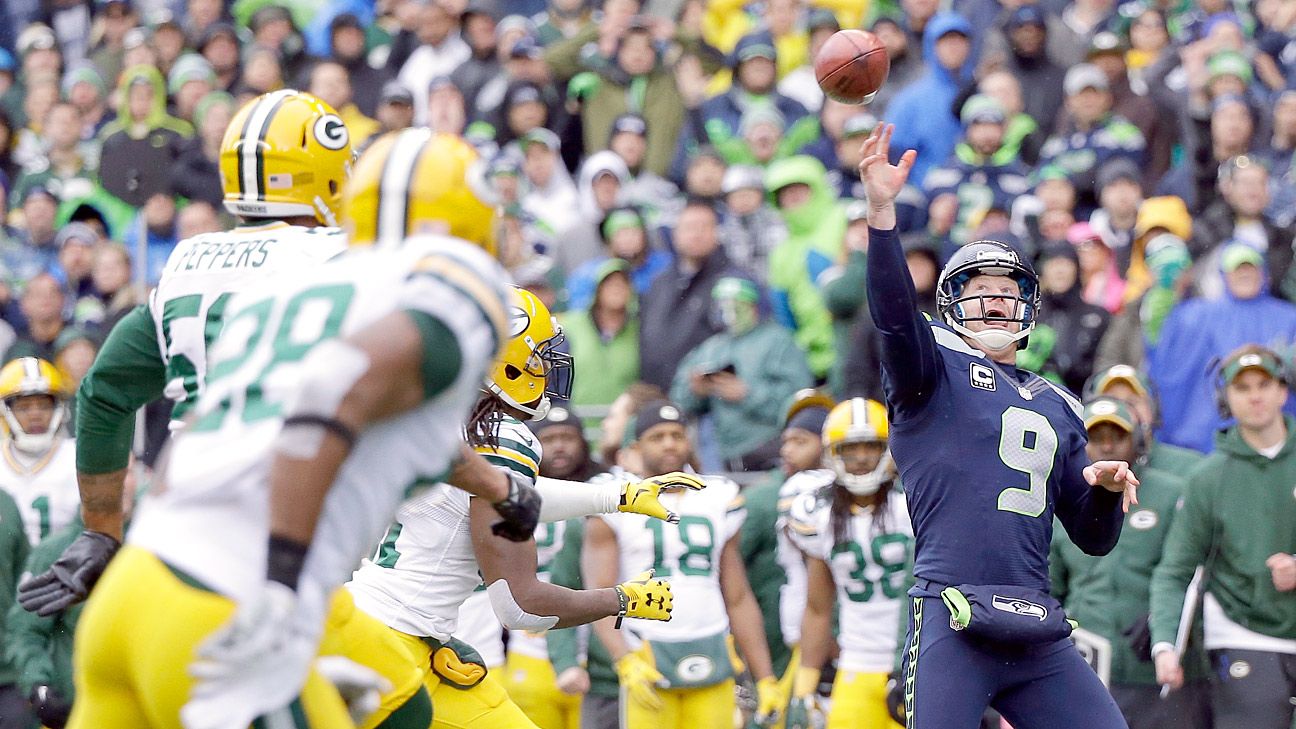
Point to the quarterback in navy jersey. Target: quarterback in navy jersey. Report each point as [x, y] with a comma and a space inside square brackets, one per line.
[989, 455]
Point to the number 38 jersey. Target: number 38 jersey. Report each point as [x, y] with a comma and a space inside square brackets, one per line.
[870, 569]
[426, 567]
[687, 554]
[201, 275]
[211, 517]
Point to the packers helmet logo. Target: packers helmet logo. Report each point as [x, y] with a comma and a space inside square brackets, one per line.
[1143, 519]
[519, 320]
[331, 132]
[695, 668]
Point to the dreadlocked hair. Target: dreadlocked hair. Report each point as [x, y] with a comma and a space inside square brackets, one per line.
[842, 502]
[482, 426]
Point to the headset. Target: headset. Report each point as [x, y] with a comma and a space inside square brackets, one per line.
[1264, 357]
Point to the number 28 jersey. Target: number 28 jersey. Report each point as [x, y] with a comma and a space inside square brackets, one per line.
[201, 275]
[211, 518]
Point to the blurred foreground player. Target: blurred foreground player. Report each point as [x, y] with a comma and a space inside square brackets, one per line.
[989, 454]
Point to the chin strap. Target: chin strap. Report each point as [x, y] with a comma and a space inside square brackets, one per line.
[995, 340]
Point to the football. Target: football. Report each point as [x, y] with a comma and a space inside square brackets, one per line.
[852, 66]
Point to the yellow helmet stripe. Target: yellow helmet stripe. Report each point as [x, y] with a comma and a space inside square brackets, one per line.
[397, 183]
[251, 160]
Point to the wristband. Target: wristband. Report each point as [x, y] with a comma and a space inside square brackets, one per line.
[284, 561]
[624, 600]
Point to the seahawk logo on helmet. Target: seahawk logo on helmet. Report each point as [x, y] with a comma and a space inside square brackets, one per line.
[988, 258]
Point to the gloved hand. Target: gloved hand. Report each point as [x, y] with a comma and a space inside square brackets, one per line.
[254, 665]
[51, 708]
[520, 510]
[769, 702]
[71, 577]
[804, 713]
[641, 497]
[895, 688]
[642, 596]
[1139, 635]
[640, 679]
[361, 687]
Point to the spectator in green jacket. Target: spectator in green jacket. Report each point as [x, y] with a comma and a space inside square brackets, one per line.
[14, 710]
[1108, 596]
[604, 338]
[742, 376]
[1238, 521]
[816, 224]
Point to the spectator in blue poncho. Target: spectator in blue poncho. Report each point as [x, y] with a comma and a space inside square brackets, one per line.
[1199, 331]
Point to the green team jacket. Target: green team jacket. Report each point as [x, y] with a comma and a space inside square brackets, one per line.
[40, 649]
[758, 543]
[13, 553]
[1107, 595]
[1239, 508]
[1174, 459]
[566, 644]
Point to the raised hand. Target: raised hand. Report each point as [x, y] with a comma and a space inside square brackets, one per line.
[883, 180]
[1115, 476]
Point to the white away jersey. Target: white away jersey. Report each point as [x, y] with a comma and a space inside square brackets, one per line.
[687, 554]
[211, 518]
[548, 540]
[44, 488]
[201, 275]
[425, 567]
[792, 595]
[480, 628]
[870, 569]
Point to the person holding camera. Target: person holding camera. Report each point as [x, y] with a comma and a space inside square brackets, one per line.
[1238, 521]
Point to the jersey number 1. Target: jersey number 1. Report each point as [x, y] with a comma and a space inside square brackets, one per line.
[1027, 443]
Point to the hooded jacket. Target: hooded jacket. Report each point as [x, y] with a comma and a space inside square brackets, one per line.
[157, 119]
[1237, 511]
[137, 157]
[1196, 332]
[922, 113]
[580, 240]
[608, 364]
[816, 232]
[653, 95]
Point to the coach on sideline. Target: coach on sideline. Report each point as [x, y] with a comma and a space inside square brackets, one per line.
[1238, 519]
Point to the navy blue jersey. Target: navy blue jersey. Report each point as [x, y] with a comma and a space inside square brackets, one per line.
[988, 453]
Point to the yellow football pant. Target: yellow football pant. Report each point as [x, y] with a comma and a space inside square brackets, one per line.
[136, 640]
[533, 686]
[710, 706]
[353, 633]
[859, 702]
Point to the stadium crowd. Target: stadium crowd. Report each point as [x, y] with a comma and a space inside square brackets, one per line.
[674, 186]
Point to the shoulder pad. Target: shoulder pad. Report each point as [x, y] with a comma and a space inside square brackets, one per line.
[803, 515]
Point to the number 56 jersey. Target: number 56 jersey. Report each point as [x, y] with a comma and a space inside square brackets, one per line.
[211, 519]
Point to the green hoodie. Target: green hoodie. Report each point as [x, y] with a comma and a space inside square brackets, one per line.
[41, 648]
[13, 554]
[816, 233]
[157, 118]
[606, 366]
[1239, 508]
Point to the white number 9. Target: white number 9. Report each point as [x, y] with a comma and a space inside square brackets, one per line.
[1027, 443]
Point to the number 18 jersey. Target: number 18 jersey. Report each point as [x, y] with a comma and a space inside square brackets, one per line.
[201, 275]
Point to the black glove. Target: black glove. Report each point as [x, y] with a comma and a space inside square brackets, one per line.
[895, 698]
[1139, 637]
[51, 708]
[521, 510]
[71, 577]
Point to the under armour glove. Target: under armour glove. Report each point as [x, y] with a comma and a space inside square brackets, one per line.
[804, 713]
[769, 702]
[71, 577]
[1139, 636]
[641, 497]
[642, 596]
[895, 697]
[361, 687]
[51, 708]
[520, 510]
[640, 680]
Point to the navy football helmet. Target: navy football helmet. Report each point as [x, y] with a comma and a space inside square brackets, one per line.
[988, 258]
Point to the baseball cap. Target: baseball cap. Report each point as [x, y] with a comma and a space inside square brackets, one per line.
[37, 36]
[540, 135]
[1106, 42]
[526, 47]
[743, 177]
[558, 416]
[630, 124]
[821, 18]
[1026, 15]
[1237, 254]
[1229, 63]
[1121, 373]
[621, 219]
[1117, 169]
[395, 92]
[808, 411]
[345, 20]
[75, 233]
[755, 45]
[859, 125]
[189, 67]
[1108, 410]
[654, 413]
[514, 22]
[735, 288]
[760, 114]
[982, 108]
[525, 94]
[1263, 360]
[1084, 76]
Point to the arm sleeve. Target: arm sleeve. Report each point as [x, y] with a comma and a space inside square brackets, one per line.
[1091, 514]
[564, 644]
[127, 375]
[562, 500]
[909, 357]
[1187, 545]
